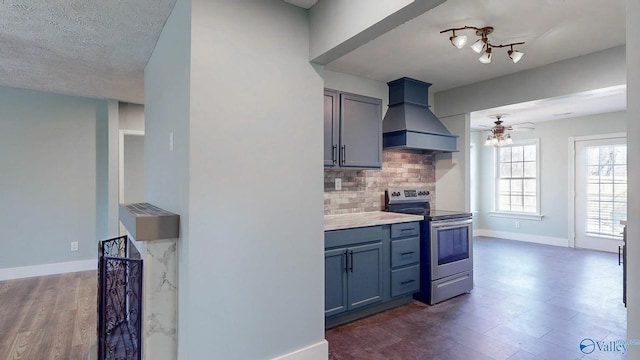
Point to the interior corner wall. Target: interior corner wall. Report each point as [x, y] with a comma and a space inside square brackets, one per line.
[50, 175]
[452, 169]
[167, 171]
[633, 190]
[256, 280]
[554, 172]
[131, 116]
[588, 72]
[357, 85]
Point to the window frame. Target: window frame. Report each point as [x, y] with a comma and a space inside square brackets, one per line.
[537, 215]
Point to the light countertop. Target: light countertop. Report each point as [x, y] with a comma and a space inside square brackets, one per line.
[355, 220]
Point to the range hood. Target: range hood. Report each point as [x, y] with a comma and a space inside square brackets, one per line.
[409, 124]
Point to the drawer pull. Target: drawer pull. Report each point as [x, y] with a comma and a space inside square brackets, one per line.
[407, 282]
[407, 253]
[407, 229]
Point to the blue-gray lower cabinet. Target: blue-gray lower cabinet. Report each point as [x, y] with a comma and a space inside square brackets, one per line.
[335, 278]
[353, 277]
[405, 258]
[370, 269]
[365, 275]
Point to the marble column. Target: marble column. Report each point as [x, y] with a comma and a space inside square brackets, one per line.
[154, 233]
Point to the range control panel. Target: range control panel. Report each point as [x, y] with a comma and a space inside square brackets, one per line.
[396, 195]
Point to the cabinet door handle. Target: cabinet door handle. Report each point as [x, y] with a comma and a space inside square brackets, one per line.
[407, 282]
[407, 253]
[334, 154]
[344, 153]
[351, 262]
[346, 262]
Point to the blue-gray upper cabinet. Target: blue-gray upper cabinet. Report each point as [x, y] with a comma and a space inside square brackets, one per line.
[352, 130]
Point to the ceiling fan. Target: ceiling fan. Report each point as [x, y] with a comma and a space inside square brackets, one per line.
[525, 126]
[499, 136]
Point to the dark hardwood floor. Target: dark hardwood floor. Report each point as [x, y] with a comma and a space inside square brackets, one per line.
[48, 317]
[529, 302]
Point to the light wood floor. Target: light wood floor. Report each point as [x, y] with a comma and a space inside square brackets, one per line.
[48, 317]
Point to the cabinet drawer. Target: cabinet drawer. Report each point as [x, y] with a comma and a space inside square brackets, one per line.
[348, 237]
[405, 229]
[405, 251]
[405, 281]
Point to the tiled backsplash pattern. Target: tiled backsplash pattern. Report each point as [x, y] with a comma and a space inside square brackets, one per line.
[363, 190]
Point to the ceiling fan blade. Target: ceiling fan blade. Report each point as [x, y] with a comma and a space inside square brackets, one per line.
[526, 126]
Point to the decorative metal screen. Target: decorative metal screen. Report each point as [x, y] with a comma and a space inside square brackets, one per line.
[119, 301]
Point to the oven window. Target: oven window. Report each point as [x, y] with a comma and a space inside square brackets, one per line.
[453, 245]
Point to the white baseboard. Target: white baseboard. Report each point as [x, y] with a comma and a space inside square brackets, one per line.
[537, 239]
[47, 269]
[319, 351]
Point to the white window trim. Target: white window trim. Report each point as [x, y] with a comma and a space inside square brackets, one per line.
[537, 216]
[516, 215]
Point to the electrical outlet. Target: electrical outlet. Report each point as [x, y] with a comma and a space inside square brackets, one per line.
[74, 246]
[338, 184]
[517, 224]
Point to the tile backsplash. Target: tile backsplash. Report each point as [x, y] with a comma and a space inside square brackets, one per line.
[363, 190]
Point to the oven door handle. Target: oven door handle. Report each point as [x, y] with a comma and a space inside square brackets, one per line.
[444, 225]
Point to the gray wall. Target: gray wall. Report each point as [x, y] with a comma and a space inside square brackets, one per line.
[452, 169]
[357, 85]
[167, 172]
[250, 264]
[554, 172]
[48, 166]
[133, 168]
[131, 116]
[592, 71]
[633, 150]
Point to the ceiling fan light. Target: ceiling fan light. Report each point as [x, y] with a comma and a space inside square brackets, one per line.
[458, 41]
[486, 57]
[494, 141]
[515, 55]
[488, 142]
[508, 140]
[478, 46]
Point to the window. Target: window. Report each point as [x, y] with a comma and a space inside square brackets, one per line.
[517, 185]
[606, 189]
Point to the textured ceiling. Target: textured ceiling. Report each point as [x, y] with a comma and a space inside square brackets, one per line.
[100, 48]
[80, 47]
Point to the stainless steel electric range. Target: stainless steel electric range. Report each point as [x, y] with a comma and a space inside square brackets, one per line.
[446, 245]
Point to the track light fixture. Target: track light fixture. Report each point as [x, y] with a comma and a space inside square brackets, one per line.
[483, 46]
